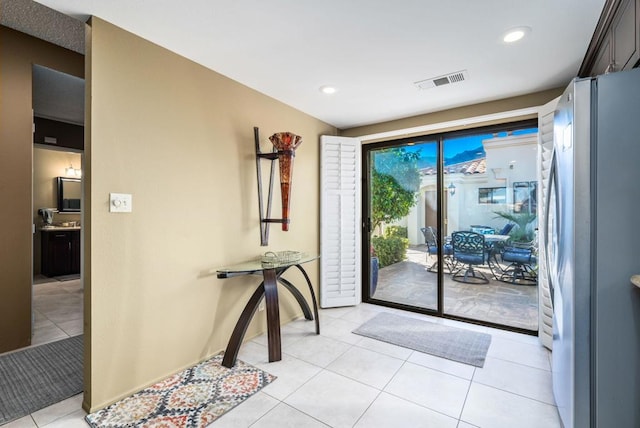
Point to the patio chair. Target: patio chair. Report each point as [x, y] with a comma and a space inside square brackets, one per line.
[430, 236]
[495, 248]
[506, 229]
[520, 270]
[425, 233]
[469, 249]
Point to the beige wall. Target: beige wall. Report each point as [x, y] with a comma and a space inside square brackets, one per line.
[508, 104]
[18, 53]
[179, 138]
[47, 165]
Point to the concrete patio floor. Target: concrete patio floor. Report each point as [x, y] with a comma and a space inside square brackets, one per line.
[410, 283]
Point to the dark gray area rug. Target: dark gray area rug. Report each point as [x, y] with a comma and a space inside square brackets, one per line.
[37, 377]
[453, 343]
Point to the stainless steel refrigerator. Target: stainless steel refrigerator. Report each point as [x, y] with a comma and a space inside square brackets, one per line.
[593, 248]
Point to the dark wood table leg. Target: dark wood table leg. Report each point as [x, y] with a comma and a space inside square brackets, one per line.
[273, 314]
[269, 290]
[313, 297]
[299, 297]
[231, 353]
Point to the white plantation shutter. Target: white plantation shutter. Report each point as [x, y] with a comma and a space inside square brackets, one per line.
[545, 139]
[340, 222]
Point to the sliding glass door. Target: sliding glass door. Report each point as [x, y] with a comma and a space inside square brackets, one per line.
[402, 202]
[492, 182]
[450, 225]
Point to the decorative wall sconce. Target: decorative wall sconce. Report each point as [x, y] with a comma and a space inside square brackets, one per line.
[285, 144]
[72, 172]
[452, 189]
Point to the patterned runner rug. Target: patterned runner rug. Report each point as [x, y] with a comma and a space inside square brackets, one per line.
[193, 398]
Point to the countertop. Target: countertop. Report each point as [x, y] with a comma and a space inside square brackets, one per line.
[59, 228]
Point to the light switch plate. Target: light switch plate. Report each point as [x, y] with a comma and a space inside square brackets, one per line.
[120, 203]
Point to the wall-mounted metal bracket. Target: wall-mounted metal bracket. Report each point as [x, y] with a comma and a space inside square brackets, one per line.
[265, 219]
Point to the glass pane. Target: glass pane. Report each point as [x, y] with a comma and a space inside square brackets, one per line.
[490, 221]
[402, 205]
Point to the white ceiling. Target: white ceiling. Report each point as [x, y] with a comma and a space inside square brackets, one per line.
[371, 50]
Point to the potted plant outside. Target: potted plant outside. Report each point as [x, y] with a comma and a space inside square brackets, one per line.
[373, 273]
[523, 232]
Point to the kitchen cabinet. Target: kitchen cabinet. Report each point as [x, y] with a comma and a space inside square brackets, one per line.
[624, 32]
[615, 45]
[54, 133]
[60, 251]
[604, 58]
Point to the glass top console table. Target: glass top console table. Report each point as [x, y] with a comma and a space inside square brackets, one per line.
[268, 289]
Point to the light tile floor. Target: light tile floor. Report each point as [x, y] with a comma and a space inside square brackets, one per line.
[58, 309]
[339, 379]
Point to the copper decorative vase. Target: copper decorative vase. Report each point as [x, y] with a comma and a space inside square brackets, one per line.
[286, 144]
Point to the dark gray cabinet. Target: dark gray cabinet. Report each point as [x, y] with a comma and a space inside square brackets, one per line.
[60, 252]
[624, 32]
[615, 45]
[604, 59]
[60, 134]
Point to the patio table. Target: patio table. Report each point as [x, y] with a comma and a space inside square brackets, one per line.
[490, 241]
[496, 238]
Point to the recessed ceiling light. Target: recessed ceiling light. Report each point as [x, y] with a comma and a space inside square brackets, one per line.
[328, 89]
[515, 34]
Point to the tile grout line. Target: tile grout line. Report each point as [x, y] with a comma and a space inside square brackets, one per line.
[464, 403]
[414, 402]
[368, 407]
[515, 393]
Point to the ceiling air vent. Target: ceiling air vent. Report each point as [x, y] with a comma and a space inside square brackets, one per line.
[458, 76]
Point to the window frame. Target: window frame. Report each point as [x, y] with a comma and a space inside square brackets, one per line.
[492, 200]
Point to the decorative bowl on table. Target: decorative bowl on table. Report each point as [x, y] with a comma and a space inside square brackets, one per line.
[272, 259]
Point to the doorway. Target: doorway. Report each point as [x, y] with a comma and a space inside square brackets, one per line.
[57, 286]
[419, 193]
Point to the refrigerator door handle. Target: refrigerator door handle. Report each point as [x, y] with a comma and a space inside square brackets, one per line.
[552, 190]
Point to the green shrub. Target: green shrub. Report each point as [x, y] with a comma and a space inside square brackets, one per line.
[399, 231]
[390, 249]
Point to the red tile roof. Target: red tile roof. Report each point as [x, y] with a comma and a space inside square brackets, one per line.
[477, 166]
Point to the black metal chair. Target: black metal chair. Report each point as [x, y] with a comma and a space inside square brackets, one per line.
[493, 249]
[469, 249]
[519, 271]
[425, 234]
[430, 236]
